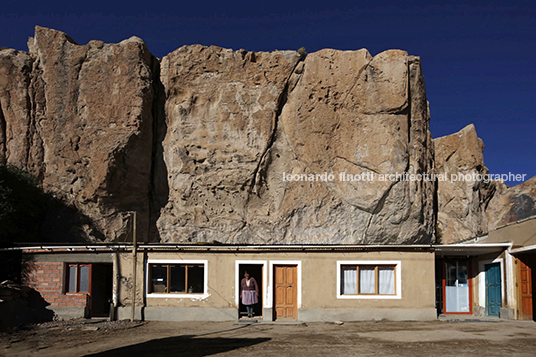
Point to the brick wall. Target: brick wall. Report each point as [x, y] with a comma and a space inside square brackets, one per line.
[47, 278]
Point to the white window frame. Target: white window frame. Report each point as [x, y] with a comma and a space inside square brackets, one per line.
[178, 295]
[398, 278]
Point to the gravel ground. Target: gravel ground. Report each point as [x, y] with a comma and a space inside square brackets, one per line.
[124, 338]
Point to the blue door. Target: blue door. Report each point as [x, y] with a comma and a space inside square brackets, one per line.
[493, 289]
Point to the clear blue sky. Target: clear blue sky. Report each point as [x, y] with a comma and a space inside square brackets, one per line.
[478, 57]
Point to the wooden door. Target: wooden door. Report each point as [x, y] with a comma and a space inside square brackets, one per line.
[493, 289]
[286, 292]
[525, 291]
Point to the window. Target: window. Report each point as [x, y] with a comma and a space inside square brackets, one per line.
[457, 295]
[368, 279]
[177, 278]
[77, 278]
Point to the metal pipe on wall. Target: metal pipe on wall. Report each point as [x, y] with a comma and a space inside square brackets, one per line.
[134, 268]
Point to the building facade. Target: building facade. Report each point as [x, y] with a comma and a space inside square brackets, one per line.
[486, 276]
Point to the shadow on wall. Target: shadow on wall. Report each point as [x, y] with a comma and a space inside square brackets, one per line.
[186, 345]
[10, 263]
[159, 189]
[16, 267]
[29, 214]
[522, 207]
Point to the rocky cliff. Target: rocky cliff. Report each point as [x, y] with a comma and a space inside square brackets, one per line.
[79, 118]
[468, 207]
[461, 203]
[209, 144]
[237, 122]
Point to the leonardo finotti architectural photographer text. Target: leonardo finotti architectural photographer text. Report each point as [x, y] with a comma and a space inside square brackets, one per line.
[371, 176]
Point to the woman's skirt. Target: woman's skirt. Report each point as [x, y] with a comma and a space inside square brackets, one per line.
[249, 297]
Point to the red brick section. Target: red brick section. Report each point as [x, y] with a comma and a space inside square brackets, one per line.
[47, 278]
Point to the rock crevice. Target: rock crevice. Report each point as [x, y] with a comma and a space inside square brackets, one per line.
[3, 135]
[281, 101]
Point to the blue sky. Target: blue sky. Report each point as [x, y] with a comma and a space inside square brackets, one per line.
[478, 56]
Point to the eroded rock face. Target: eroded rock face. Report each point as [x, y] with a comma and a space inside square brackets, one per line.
[199, 143]
[221, 112]
[511, 204]
[18, 140]
[237, 121]
[80, 119]
[461, 202]
[228, 125]
[467, 207]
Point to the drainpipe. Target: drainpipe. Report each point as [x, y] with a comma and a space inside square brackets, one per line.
[134, 266]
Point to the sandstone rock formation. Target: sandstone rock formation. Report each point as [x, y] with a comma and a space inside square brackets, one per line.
[471, 208]
[221, 111]
[511, 204]
[238, 121]
[461, 203]
[202, 144]
[79, 118]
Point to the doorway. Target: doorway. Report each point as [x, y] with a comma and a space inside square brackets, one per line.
[101, 289]
[285, 292]
[525, 276]
[255, 270]
[457, 297]
[493, 289]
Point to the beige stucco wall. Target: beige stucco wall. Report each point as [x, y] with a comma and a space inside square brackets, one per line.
[318, 279]
[521, 234]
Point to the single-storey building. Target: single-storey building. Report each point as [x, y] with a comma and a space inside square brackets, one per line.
[485, 276]
[201, 282]
[516, 265]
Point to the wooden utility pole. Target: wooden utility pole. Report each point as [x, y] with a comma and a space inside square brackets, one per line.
[134, 266]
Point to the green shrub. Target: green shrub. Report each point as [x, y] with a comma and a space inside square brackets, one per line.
[302, 52]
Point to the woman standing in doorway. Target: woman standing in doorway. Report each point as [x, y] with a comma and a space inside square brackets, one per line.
[249, 292]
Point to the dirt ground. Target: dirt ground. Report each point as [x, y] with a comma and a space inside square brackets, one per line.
[123, 338]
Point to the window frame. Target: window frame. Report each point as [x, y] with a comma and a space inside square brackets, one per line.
[178, 295]
[397, 264]
[67, 275]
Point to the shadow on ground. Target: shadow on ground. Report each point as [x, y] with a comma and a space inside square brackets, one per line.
[186, 345]
[21, 305]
